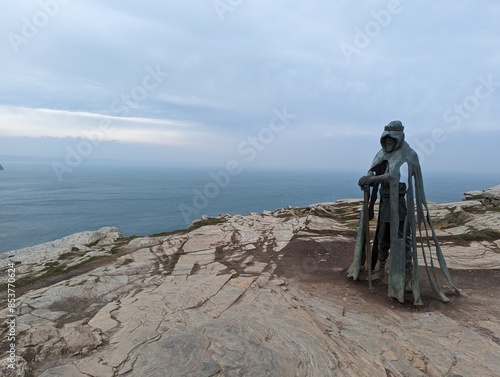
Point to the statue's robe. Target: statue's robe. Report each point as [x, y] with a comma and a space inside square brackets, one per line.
[417, 221]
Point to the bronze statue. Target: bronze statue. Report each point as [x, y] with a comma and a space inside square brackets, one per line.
[404, 225]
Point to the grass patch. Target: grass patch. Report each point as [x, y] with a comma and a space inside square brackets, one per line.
[19, 283]
[127, 261]
[209, 221]
[290, 213]
[50, 271]
[327, 232]
[352, 229]
[284, 216]
[453, 219]
[339, 212]
[474, 235]
[172, 261]
[493, 209]
[351, 233]
[171, 233]
[115, 250]
[351, 217]
[328, 215]
[56, 270]
[64, 256]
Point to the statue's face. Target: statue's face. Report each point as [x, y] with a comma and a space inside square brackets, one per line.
[389, 144]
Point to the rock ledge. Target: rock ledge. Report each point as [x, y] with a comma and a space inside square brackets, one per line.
[257, 295]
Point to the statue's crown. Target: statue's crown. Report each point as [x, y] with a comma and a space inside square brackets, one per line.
[395, 125]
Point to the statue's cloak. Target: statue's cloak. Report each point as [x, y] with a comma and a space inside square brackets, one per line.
[417, 221]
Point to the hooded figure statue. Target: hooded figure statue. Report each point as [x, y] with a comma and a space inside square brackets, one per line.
[403, 211]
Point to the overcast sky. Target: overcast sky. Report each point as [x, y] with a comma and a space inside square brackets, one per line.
[276, 83]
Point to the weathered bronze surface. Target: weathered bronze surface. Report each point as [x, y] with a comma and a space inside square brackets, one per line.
[404, 227]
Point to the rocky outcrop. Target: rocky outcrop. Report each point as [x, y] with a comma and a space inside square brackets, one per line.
[258, 295]
[65, 253]
[489, 196]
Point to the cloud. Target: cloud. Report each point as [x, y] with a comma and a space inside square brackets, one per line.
[223, 77]
[26, 122]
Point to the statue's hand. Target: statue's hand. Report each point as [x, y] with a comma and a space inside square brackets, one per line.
[365, 181]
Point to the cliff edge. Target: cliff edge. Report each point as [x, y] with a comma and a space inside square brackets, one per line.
[257, 295]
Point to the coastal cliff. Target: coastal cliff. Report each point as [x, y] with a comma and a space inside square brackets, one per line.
[257, 295]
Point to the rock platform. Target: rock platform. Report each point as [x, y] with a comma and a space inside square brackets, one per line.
[257, 295]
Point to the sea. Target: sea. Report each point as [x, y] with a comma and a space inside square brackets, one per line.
[37, 205]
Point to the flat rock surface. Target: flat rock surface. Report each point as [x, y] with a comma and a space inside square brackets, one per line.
[258, 295]
[490, 196]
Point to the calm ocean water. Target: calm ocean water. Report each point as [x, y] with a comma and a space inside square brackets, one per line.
[36, 207]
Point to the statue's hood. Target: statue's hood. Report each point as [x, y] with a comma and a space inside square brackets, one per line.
[399, 136]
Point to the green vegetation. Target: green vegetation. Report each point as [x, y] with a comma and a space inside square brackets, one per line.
[339, 212]
[54, 269]
[352, 229]
[166, 234]
[173, 259]
[208, 221]
[493, 209]
[329, 232]
[453, 219]
[351, 217]
[196, 224]
[127, 261]
[64, 256]
[293, 212]
[286, 216]
[473, 235]
[351, 232]
[115, 250]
